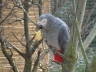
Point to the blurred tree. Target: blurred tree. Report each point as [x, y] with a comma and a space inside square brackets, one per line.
[73, 12]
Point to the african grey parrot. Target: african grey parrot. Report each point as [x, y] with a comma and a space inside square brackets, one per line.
[56, 34]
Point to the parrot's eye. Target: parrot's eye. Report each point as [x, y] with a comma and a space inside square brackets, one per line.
[42, 23]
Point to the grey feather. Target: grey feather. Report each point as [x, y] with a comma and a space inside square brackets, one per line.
[63, 37]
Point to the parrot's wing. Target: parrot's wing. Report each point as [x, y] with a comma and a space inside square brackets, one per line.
[63, 37]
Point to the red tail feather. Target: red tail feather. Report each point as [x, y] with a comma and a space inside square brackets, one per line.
[58, 58]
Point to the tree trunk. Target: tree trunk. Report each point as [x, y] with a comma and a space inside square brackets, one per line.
[28, 61]
[28, 65]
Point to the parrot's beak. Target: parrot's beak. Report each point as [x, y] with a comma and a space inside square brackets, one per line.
[40, 27]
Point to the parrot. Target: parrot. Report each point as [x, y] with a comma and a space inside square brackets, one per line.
[56, 34]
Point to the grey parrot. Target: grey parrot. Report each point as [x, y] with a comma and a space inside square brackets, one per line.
[56, 34]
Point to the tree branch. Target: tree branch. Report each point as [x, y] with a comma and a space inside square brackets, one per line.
[81, 44]
[90, 37]
[80, 10]
[43, 54]
[36, 62]
[34, 46]
[18, 39]
[16, 49]
[8, 55]
[19, 1]
[7, 15]
[26, 25]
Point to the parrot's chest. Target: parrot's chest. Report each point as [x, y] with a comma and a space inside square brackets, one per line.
[52, 39]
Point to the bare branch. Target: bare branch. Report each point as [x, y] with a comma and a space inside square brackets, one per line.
[18, 39]
[36, 62]
[16, 49]
[81, 43]
[90, 37]
[43, 54]
[34, 46]
[20, 3]
[8, 55]
[43, 67]
[31, 41]
[7, 15]
[81, 6]
[13, 46]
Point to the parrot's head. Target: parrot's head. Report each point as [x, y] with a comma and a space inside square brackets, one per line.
[46, 21]
[41, 24]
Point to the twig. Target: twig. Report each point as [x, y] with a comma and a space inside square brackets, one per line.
[43, 54]
[43, 67]
[18, 39]
[34, 46]
[36, 62]
[80, 11]
[7, 15]
[8, 56]
[81, 44]
[90, 37]
[16, 49]
[17, 20]
[31, 41]
[19, 1]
